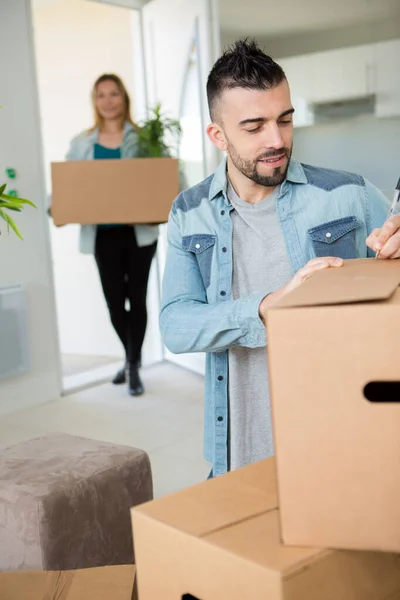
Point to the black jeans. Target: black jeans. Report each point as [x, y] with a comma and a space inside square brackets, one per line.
[124, 269]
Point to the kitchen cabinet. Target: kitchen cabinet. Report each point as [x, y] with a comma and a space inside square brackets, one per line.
[343, 74]
[300, 81]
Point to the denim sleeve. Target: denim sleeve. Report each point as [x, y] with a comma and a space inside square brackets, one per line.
[188, 322]
[377, 208]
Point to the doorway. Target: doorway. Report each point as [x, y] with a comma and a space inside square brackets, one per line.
[75, 42]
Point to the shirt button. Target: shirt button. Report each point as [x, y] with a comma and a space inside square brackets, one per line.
[224, 249]
[220, 419]
[220, 378]
[197, 246]
[223, 293]
[328, 235]
[222, 212]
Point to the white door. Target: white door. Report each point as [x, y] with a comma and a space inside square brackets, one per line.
[181, 43]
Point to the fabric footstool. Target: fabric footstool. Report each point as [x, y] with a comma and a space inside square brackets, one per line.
[65, 500]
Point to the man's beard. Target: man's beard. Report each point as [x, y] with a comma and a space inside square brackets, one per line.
[249, 167]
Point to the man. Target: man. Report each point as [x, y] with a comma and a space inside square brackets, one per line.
[246, 236]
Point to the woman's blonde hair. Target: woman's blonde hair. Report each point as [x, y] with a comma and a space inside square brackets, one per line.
[98, 119]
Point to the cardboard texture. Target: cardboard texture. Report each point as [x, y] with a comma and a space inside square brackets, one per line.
[130, 190]
[338, 453]
[103, 583]
[220, 540]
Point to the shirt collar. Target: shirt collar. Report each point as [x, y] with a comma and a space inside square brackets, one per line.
[219, 181]
[295, 174]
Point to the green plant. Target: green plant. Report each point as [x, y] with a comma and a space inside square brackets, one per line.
[153, 132]
[12, 203]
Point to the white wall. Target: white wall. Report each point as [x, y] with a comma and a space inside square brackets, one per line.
[364, 145]
[26, 262]
[76, 41]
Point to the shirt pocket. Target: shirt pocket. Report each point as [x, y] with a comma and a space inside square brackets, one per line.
[335, 238]
[202, 246]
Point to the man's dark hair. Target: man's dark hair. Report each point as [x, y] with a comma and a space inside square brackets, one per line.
[243, 65]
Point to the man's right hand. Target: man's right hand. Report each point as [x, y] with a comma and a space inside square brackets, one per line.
[314, 265]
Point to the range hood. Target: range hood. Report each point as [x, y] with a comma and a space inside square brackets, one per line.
[327, 112]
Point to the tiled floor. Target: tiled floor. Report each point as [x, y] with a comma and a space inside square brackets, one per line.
[167, 422]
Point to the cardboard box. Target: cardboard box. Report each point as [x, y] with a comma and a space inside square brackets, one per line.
[104, 583]
[338, 453]
[220, 541]
[130, 190]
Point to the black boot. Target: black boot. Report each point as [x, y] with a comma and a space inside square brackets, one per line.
[120, 377]
[135, 385]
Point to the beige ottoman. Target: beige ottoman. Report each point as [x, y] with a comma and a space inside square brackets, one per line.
[65, 500]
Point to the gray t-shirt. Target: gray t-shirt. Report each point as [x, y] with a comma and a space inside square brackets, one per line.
[260, 264]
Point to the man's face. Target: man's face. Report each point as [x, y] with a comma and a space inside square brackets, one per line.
[255, 128]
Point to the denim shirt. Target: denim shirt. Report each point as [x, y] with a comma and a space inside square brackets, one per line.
[82, 148]
[321, 212]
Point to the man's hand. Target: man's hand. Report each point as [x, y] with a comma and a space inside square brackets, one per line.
[386, 240]
[314, 265]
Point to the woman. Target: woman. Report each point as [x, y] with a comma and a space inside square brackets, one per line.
[123, 253]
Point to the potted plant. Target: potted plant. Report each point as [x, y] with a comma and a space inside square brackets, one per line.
[152, 142]
[14, 204]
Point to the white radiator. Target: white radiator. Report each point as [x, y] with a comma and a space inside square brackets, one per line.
[14, 350]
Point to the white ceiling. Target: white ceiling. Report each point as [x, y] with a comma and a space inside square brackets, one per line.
[281, 17]
[274, 18]
[135, 4]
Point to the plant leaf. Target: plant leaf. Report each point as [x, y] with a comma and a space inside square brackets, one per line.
[2, 188]
[10, 223]
[11, 201]
[16, 208]
[10, 205]
[16, 199]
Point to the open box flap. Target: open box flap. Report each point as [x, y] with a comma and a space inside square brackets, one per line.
[361, 280]
[217, 503]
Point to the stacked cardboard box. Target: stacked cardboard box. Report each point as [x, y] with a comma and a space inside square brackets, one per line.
[220, 540]
[335, 377]
[333, 346]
